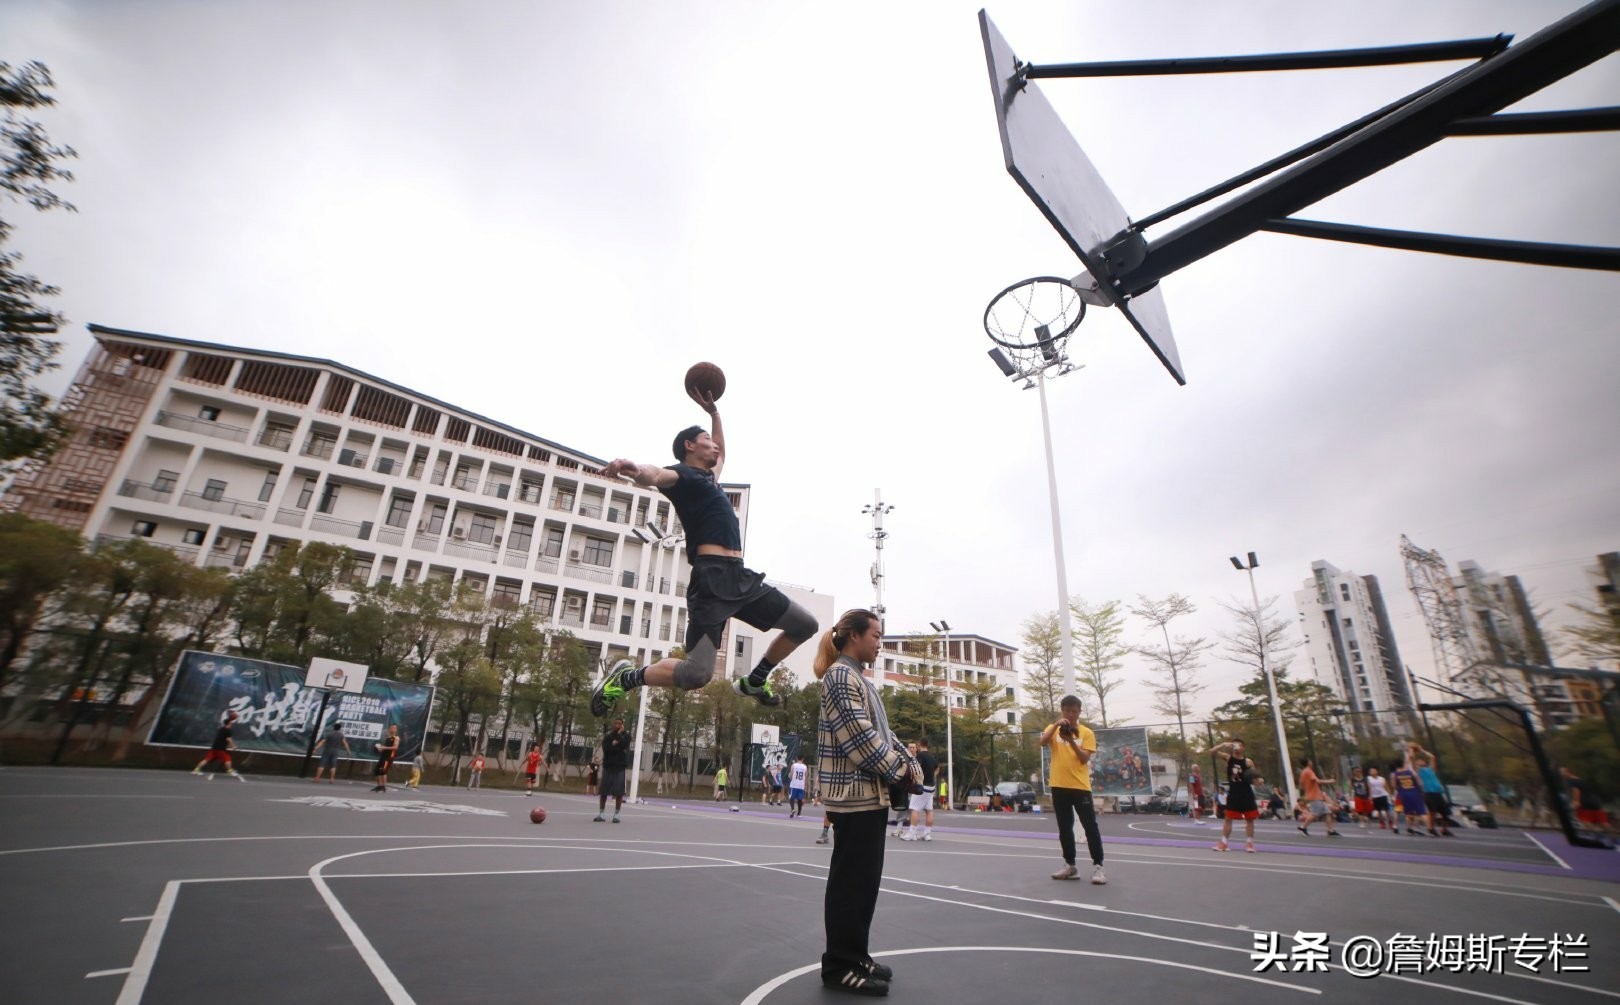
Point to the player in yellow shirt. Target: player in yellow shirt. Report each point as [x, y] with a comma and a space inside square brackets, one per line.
[1073, 745]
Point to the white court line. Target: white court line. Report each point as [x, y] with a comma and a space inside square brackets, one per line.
[1550, 853]
[106, 973]
[759, 994]
[138, 917]
[86, 795]
[373, 837]
[1172, 938]
[1611, 903]
[141, 970]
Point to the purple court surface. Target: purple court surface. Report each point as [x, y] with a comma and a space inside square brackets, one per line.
[159, 887]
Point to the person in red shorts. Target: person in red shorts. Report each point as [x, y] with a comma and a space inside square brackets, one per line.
[1240, 802]
[1587, 802]
[1195, 796]
[220, 752]
[1361, 806]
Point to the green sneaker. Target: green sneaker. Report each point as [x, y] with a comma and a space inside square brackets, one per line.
[612, 690]
[761, 693]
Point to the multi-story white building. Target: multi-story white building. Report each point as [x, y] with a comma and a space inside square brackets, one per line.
[225, 455]
[1350, 644]
[970, 659]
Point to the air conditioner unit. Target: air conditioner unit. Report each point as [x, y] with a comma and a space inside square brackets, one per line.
[503, 491]
[573, 556]
[497, 540]
[613, 515]
[386, 466]
[221, 544]
[421, 526]
[458, 533]
[346, 456]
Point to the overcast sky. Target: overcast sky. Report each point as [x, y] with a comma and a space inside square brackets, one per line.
[545, 212]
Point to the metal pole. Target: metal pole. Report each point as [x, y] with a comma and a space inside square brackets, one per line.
[1271, 689]
[635, 758]
[950, 748]
[1065, 631]
[320, 717]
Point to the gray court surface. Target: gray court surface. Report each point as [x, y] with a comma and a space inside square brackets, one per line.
[143, 886]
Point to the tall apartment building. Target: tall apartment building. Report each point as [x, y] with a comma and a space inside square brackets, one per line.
[225, 455]
[969, 658]
[1350, 644]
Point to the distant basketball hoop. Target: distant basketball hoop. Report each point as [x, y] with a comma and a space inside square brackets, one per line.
[336, 675]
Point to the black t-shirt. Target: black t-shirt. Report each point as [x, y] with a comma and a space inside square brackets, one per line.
[929, 765]
[705, 512]
[615, 750]
[1239, 785]
[222, 739]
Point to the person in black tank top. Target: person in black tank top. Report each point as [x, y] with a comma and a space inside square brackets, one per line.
[1240, 802]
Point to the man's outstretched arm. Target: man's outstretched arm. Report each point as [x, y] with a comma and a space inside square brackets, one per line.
[648, 476]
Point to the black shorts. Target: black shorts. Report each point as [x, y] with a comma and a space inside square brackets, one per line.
[1380, 804]
[1436, 803]
[329, 758]
[720, 588]
[612, 782]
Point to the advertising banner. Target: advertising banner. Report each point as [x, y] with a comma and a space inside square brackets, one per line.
[276, 711]
[1121, 765]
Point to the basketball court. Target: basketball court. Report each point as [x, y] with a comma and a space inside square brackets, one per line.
[179, 889]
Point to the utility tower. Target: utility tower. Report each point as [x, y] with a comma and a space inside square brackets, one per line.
[1456, 659]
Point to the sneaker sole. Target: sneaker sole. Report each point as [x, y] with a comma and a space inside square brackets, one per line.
[764, 698]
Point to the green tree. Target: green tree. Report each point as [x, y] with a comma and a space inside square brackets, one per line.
[91, 607]
[1175, 665]
[1043, 666]
[1594, 639]
[1098, 652]
[36, 558]
[29, 427]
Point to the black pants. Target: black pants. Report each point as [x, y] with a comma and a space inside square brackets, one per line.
[1065, 804]
[852, 887]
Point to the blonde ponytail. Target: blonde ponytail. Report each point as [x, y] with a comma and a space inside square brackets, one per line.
[826, 654]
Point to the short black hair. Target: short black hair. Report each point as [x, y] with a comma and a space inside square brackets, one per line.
[1070, 699]
[689, 433]
[338, 726]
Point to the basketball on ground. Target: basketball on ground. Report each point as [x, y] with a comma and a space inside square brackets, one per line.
[705, 378]
[537, 815]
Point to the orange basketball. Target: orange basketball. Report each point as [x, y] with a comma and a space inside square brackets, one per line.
[705, 378]
[537, 815]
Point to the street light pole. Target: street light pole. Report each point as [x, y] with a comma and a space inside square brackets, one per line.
[944, 627]
[1271, 684]
[877, 509]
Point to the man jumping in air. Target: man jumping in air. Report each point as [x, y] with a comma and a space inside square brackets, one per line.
[720, 587]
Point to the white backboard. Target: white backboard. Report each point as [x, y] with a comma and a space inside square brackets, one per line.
[336, 675]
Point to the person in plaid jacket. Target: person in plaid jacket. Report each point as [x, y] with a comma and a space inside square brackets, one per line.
[858, 758]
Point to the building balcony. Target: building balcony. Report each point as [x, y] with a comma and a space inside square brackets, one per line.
[322, 449]
[590, 573]
[591, 510]
[680, 589]
[290, 517]
[425, 542]
[220, 504]
[571, 619]
[345, 528]
[564, 504]
[185, 551]
[603, 622]
[141, 490]
[465, 482]
[391, 535]
[497, 490]
[193, 424]
[546, 563]
[469, 549]
[663, 634]
[516, 559]
[224, 560]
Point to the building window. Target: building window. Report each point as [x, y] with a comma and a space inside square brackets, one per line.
[543, 604]
[193, 535]
[329, 497]
[1344, 590]
[554, 542]
[1347, 623]
[521, 538]
[208, 413]
[268, 487]
[399, 512]
[1012, 718]
[164, 482]
[507, 594]
[597, 552]
[213, 490]
[435, 521]
[482, 528]
[143, 528]
[306, 493]
[601, 612]
[1009, 692]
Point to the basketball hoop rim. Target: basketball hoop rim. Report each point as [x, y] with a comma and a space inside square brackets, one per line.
[1066, 332]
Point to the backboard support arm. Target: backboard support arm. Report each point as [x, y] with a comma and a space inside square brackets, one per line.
[1551, 54]
[1385, 55]
[1569, 256]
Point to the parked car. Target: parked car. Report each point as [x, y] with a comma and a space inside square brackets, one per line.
[1019, 795]
[1466, 802]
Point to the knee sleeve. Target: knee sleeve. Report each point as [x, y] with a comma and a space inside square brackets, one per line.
[698, 667]
[797, 623]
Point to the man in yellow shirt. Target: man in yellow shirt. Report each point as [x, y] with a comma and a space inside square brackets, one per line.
[1073, 746]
